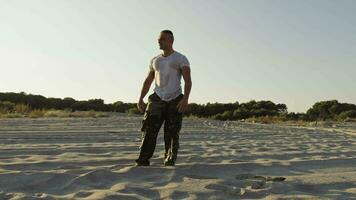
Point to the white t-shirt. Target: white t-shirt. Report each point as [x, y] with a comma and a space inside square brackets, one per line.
[168, 74]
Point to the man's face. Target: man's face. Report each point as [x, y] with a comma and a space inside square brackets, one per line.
[164, 41]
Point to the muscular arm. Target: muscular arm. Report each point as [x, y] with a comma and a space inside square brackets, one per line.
[145, 88]
[187, 81]
[183, 104]
[147, 84]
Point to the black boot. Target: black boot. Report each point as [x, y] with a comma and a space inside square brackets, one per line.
[142, 163]
[169, 163]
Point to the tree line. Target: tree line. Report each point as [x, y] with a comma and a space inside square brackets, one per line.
[323, 110]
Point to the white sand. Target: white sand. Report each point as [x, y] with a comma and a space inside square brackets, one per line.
[88, 158]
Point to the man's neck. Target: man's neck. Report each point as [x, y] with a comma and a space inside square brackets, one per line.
[167, 52]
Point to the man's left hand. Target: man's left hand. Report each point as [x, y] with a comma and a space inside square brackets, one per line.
[182, 105]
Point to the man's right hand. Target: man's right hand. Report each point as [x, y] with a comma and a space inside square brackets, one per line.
[141, 106]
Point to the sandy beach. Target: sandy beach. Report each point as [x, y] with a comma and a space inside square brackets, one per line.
[93, 158]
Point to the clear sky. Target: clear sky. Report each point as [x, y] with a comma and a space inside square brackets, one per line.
[295, 52]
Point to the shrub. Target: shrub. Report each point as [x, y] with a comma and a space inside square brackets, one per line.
[347, 114]
[6, 107]
[37, 113]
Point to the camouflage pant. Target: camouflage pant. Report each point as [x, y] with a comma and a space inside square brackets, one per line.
[156, 112]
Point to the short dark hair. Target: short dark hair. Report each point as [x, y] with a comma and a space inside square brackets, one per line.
[168, 32]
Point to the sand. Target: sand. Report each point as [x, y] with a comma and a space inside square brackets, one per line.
[93, 158]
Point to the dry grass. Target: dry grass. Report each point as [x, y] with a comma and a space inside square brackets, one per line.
[22, 108]
[24, 111]
[36, 113]
[57, 113]
[267, 119]
[88, 114]
[192, 117]
[11, 115]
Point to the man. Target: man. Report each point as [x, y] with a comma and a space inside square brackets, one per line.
[167, 103]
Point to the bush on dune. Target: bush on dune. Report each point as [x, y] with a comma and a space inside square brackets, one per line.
[37, 113]
[6, 107]
[265, 111]
[90, 113]
[12, 110]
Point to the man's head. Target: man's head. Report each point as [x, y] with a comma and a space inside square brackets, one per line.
[165, 39]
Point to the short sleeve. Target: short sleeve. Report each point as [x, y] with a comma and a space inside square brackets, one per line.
[150, 65]
[184, 62]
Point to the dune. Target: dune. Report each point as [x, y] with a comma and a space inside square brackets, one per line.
[93, 158]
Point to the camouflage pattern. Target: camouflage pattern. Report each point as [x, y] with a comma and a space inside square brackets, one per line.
[157, 112]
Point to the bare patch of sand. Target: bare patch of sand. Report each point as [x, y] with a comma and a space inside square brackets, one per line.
[93, 158]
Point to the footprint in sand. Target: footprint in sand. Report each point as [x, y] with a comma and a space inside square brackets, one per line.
[265, 178]
[257, 181]
[83, 194]
[199, 177]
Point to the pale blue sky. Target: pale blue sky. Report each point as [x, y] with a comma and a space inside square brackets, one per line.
[295, 52]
